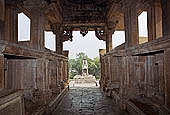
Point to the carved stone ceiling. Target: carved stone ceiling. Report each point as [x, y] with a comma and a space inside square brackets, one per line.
[84, 11]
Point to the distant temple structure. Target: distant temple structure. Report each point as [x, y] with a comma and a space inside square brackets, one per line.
[85, 68]
[85, 77]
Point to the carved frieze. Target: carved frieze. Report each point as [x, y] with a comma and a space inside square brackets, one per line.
[84, 10]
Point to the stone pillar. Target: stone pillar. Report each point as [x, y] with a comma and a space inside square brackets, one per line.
[2, 71]
[61, 72]
[154, 21]
[2, 9]
[166, 18]
[167, 77]
[61, 76]
[109, 40]
[57, 30]
[58, 75]
[37, 26]
[2, 17]
[151, 22]
[67, 69]
[109, 30]
[105, 77]
[59, 44]
[131, 23]
[11, 22]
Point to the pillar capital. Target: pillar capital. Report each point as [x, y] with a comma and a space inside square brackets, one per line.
[56, 28]
[110, 26]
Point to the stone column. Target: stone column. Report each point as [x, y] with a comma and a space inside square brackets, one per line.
[37, 27]
[2, 80]
[37, 9]
[131, 23]
[167, 77]
[11, 22]
[151, 22]
[109, 30]
[109, 40]
[59, 44]
[154, 20]
[58, 75]
[62, 74]
[57, 30]
[105, 73]
[2, 18]
[2, 9]
[166, 18]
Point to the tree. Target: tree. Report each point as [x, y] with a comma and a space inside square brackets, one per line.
[75, 65]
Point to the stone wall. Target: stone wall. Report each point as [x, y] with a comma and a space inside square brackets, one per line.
[41, 74]
[11, 103]
[138, 72]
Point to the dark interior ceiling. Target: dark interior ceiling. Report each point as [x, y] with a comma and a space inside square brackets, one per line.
[84, 10]
[86, 1]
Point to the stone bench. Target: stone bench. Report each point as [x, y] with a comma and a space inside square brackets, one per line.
[11, 102]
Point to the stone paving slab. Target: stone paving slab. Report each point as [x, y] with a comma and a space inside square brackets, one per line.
[86, 101]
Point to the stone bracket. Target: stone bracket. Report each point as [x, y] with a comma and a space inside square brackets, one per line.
[67, 34]
[100, 33]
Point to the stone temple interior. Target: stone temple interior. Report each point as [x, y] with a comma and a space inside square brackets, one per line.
[134, 75]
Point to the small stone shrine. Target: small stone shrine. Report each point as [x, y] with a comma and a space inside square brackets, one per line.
[85, 77]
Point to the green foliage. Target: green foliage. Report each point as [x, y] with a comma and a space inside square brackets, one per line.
[75, 65]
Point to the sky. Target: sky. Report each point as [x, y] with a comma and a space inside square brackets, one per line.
[88, 44]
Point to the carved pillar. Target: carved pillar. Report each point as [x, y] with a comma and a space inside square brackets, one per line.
[151, 22]
[58, 75]
[59, 44]
[154, 20]
[131, 23]
[109, 68]
[2, 9]
[167, 77]
[2, 16]
[106, 78]
[58, 31]
[66, 70]
[11, 22]
[61, 74]
[37, 9]
[2, 81]
[109, 40]
[109, 30]
[166, 18]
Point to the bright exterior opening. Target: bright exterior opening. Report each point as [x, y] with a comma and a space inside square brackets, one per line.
[118, 38]
[143, 29]
[24, 27]
[50, 41]
[89, 44]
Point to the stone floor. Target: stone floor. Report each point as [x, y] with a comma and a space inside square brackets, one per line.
[86, 100]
